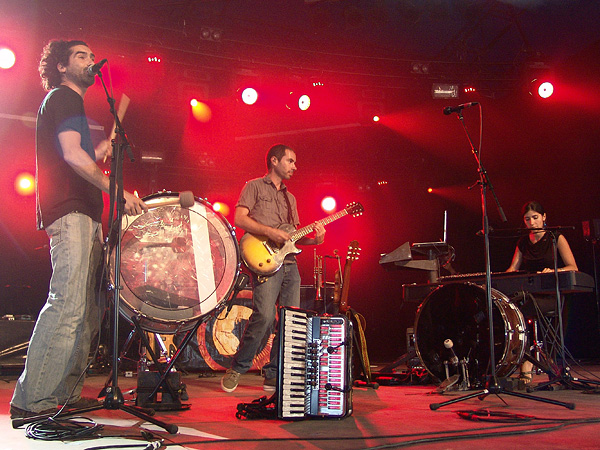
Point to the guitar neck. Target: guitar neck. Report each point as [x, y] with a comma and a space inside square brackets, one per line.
[299, 234]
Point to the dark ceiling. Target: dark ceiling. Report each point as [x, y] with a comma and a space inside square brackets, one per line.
[368, 42]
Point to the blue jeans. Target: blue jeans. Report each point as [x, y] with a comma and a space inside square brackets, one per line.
[285, 284]
[60, 344]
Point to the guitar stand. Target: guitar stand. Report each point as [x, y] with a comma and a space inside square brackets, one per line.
[361, 345]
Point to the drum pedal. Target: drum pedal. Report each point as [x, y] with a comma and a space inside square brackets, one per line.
[162, 400]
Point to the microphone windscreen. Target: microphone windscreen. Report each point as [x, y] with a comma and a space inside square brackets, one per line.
[186, 199]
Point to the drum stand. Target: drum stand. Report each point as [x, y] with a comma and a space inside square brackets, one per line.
[114, 397]
[493, 386]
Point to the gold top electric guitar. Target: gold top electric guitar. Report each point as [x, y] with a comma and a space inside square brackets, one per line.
[264, 257]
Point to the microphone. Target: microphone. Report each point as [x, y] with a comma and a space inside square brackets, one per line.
[449, 344]
[459, 108]
[95, 69]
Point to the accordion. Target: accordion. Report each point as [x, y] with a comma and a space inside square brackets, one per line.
[315, 374]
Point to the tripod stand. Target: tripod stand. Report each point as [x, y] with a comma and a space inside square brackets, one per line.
[493, 386]
[114, 398]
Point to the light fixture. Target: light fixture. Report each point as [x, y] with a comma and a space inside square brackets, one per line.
[442, 90]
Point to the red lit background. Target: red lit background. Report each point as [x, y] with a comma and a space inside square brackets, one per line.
[162, 56]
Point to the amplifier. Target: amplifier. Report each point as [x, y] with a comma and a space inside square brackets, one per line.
[14, 340]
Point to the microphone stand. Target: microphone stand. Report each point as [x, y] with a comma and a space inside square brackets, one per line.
[114, 397]
[564, 377]
[492, 386]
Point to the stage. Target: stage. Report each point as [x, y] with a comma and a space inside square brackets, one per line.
[391, 416]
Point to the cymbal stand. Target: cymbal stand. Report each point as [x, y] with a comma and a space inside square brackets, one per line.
[114, 397]
[492, 386]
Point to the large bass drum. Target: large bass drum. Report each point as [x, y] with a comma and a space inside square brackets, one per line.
[458, 311]
[177, 264]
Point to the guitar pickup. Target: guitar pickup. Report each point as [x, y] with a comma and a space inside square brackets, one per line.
[269, 248]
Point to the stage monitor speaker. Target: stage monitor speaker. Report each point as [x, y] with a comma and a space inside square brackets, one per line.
[14, 340]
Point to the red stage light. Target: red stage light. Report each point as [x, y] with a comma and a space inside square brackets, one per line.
[541, 88]
[249, 96]
[546, 89]
[7, 58]
[430, 190]
[376, 118]
[300, 101]
[304, 102]
[328, 204]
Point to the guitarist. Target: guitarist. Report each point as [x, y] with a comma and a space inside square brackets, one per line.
[266, 208]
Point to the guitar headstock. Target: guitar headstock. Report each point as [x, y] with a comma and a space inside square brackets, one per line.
[353, 251]
[354, 208]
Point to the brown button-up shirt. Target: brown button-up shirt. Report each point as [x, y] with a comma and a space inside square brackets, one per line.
[266, 204]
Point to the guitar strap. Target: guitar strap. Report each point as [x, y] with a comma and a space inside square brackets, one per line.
[290, 217]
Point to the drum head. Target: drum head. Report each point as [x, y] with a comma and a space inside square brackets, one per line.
[177, 264]
[458, 311]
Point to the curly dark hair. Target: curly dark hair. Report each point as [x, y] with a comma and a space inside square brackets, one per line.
[56, 51]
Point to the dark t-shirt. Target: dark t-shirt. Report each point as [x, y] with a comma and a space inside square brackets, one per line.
[60, 190]
[540, 255]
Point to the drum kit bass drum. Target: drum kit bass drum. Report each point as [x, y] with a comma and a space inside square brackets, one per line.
[179, 264]
[456, 313]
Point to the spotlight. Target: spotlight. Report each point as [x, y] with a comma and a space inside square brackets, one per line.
[221, 208]
[7, 58]
[541, 87]
[25, 184]
[328, 204]
[546, 89]
[249, 96]
[300, 101]
[304, 102]
[200, 110]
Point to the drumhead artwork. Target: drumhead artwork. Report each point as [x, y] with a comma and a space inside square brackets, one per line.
[177, 264]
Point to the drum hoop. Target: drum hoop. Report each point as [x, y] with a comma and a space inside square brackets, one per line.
[499, 299]
[160, 320]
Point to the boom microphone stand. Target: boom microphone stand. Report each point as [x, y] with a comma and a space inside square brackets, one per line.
[114, 397]
[493, 387]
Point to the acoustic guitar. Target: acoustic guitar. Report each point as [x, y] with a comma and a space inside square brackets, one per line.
[265, 257]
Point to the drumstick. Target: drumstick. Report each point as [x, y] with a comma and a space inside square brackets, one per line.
[123, 104]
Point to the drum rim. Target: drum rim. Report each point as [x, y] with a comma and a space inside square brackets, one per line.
[497, 296]
[175, 324]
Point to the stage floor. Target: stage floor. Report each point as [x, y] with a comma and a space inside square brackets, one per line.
[391, 416]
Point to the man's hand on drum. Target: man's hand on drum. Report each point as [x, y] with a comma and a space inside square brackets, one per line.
[134, 205]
